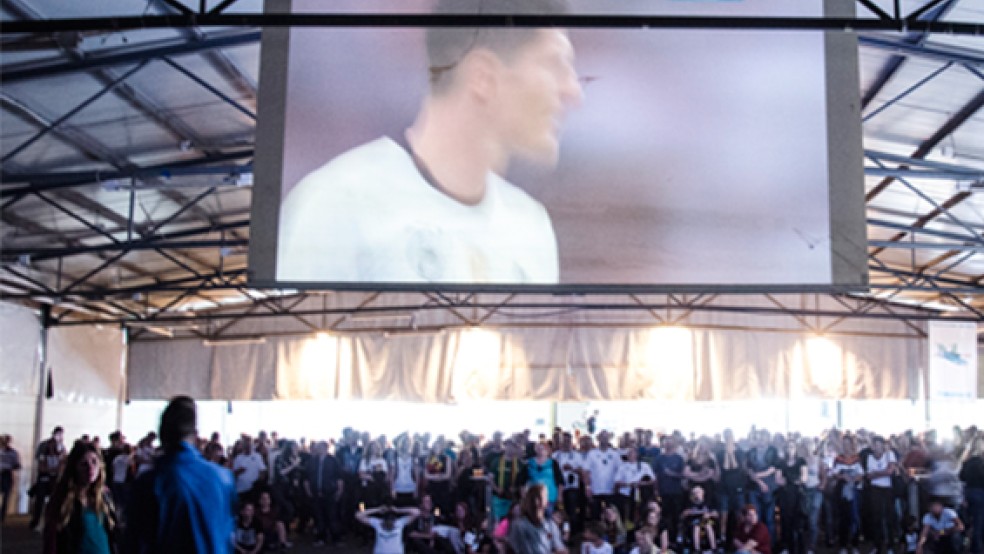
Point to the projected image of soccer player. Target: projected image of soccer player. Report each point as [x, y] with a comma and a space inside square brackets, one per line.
[432, 205]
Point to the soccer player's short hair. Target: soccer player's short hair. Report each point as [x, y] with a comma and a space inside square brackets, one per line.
[447, 46]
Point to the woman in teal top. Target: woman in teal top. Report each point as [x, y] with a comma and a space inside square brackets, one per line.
[80, 517]
[544, 470]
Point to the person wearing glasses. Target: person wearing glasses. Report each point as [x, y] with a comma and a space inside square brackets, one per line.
[432, 205]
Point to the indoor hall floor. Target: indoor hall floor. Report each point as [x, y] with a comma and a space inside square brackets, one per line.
[16, 538]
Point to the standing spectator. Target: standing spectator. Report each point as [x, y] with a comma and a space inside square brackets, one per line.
[762, 462]
[438, 471]
[544, 470]
[9, 463]
[325, 488]
[507, 474]
[632, 478]
[669, 481]
[702, 471]
[731, 492]
[601, 465]
[116, 445]
[80, 517]
[248, 467]
[972, 475]
[848, 473]
[374, 476]
[791, 476]
[122, 473]
[348, 454]
[534, 532]
[751, 536]
[813, 487]
[144, 455]
[48, 457]
[185, 503]
[941, 530]
[880, 467]
[286, 480]
[571, 463]
[405, 475]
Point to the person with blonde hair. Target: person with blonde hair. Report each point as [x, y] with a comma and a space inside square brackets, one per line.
[80, 516]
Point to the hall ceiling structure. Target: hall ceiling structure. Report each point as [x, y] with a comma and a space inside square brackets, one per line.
[127, 130]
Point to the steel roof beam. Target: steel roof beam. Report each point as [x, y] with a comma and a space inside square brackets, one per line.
[14, 73]
[217, 59]
[951, 125]
[896, 61]
[403, 20]
[925, 315]
[931, 51]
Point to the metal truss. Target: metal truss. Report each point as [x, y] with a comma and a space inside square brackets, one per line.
[922, 20]
[186, 237]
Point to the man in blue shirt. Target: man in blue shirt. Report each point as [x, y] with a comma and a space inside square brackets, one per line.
[185, 503]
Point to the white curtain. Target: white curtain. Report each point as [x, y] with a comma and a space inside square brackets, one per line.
[570, 364]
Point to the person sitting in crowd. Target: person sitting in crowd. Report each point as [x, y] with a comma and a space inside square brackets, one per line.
[534, 532]
[249, 532]
[698, 522]
[80, 516]
[941, 530]
[594, 540]
[614, 529]
[273, 528]
[388, 526]
[751, 535]
[644, 543]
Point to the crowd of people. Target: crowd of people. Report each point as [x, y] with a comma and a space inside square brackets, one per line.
[638, 493]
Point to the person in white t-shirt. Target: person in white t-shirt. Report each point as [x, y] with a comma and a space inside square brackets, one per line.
[247, 467]
[389, 527]
[880, 466]
[632, 474]
[601, 465]
[433, 206]
[571, 463]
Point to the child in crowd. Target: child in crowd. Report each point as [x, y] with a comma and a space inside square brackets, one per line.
[699, 521]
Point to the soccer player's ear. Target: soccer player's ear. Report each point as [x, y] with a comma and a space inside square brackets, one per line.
[481, 74]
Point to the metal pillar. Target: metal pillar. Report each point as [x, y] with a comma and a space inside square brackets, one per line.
[42, 382]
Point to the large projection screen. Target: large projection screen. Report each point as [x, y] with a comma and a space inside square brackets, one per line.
[580, 160]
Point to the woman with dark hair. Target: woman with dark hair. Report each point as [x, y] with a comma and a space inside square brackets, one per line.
[80, 516]
[533, 532]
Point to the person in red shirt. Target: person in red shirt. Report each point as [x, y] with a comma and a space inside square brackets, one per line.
[751, 535]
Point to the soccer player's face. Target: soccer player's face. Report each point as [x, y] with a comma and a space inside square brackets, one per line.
[538, 87]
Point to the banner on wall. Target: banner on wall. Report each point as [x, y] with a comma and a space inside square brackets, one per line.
[952, 360]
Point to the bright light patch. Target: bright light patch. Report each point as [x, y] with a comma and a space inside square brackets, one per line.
[477, 363]
[824, 365]
[670, 360]
[318, 365]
